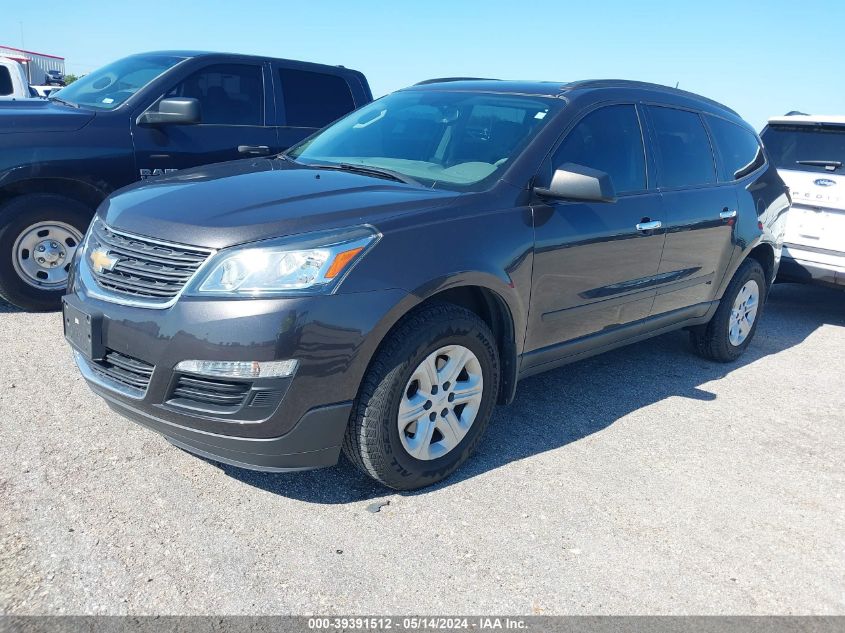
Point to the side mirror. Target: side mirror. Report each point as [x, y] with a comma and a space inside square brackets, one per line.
[577, 182]
[173, 111]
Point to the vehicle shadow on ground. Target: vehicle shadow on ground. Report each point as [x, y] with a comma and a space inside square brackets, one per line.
[565, 405]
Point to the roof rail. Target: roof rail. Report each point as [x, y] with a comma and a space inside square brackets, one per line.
[627, 83]
[438, 80]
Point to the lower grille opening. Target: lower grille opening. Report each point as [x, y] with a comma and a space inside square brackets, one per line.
[131, 373]
[209, 394]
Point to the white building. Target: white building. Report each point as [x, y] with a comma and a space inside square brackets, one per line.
[36, 65]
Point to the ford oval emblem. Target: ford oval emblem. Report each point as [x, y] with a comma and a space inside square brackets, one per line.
[825, 182]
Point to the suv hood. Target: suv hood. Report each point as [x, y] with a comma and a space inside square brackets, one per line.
[40, 115]
[249, 200]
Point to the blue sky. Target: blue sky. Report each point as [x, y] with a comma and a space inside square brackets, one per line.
[760, 58]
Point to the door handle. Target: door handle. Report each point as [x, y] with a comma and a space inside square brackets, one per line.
[649, 226]
[727, 214]
[256, 150]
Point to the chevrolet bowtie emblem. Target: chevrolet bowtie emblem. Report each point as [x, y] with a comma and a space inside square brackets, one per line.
[101, 260]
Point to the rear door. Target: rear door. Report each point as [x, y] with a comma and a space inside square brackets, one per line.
[593, 268]
[699, 209]
[309, 99]
[236, 121]
[816, 221]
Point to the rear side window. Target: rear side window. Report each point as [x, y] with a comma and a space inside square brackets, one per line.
[5, 82]
[684, 156]
[821, 148]
[314, 99]
[740, 151]
[610, 140]
[229, 94]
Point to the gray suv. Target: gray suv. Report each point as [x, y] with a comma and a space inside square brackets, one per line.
[379, 287]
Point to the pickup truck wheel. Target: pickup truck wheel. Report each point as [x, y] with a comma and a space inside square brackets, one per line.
[426, 399]
[732, 327]
[38, 239]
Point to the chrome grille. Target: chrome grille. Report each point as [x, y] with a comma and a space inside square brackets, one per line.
[145, 268]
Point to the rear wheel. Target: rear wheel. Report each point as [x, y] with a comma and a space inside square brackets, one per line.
[38, 240]
[732, 327]
[426, 399]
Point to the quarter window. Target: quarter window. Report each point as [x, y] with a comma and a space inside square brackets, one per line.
[684, 155]
[740, 151]
[314, 99]
[229, 94]
[610, 140]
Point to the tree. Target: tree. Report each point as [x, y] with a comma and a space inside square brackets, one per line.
[69, 79]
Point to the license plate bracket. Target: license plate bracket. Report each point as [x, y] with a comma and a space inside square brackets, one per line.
[84, 331]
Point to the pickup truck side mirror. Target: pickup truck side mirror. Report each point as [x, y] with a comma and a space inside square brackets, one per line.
[173, 111]
[577, 182]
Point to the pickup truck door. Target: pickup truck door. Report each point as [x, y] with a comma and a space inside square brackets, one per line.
[238, 120]
[309, 100]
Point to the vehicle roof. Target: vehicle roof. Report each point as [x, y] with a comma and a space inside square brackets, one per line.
[195, 54]
[809, 119]
[562, 88]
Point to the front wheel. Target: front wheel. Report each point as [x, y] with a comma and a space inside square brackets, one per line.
[426, 398]
[732, 327]
[38, 239]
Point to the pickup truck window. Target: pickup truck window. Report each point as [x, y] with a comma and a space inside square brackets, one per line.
[5, 82]
[111, 85]
[229, 94]
[314, 99]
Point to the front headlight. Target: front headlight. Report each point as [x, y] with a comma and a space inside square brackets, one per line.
[304, 264]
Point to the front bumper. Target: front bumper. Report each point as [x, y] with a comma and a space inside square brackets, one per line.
[812, 265]
[301, 420]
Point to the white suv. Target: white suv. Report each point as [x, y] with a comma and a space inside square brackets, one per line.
[809, 152]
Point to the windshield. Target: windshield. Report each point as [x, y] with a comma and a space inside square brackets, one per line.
[452, 140]
[794, 146]
[111, 85]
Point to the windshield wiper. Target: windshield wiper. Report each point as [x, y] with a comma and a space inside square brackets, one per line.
[68, 103]
[830, 165]
[377, 172]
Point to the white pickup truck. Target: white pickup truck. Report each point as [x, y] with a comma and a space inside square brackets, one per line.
[13, 81]
[809, 152]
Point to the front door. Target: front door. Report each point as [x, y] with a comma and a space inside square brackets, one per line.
[595, 265]
[235, 112]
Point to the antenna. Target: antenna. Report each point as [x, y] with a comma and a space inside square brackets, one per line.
[677, 83]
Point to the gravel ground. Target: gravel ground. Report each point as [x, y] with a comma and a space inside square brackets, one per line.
[642, 481]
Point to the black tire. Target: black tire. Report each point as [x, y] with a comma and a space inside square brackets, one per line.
[16, 216]
[372, 439]
[712, 340]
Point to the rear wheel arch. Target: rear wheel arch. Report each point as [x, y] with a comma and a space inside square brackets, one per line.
[764, 254]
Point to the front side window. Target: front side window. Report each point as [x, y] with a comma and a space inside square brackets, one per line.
[740, 151]
[684, 156]
[816, 148]
[314, 99]
[5, 82]
[610, 140]
[229, 94]
[111, 85]
[457, 140]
